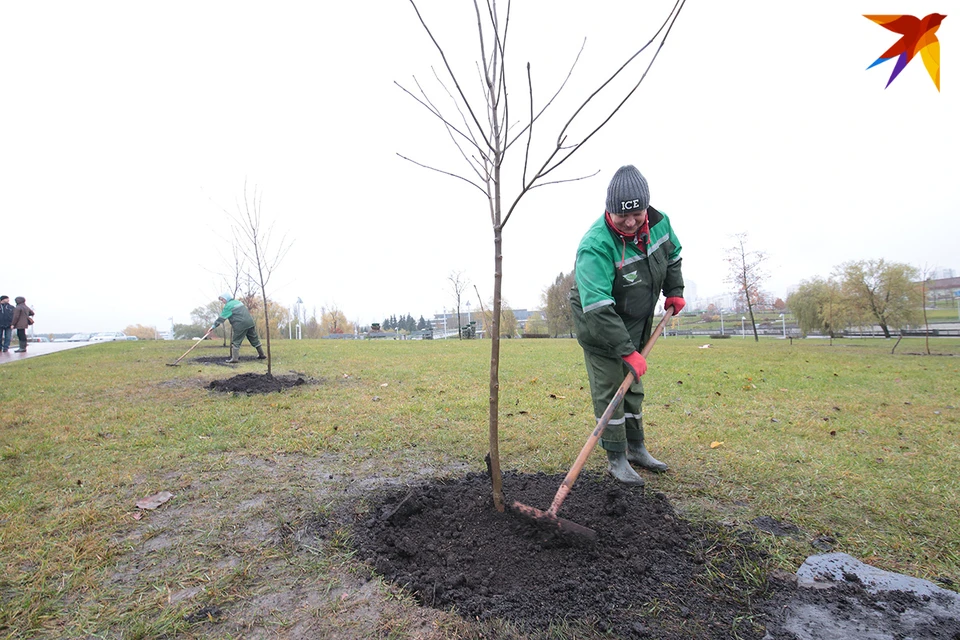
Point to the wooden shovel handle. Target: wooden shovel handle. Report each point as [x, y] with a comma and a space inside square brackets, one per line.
[193, 347]
[594, 438]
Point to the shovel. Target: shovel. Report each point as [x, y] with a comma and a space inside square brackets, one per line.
[177, 363]
[549, 517]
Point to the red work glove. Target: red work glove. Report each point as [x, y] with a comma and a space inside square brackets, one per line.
[676, 302]
[637, 364]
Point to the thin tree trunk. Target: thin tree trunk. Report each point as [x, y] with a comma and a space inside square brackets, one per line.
[898, 342]
[746, 294]
[266, 317]
[886, 330]
[495, 477]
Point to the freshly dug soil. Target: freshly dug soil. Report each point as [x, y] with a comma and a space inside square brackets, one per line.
[646, 577]
[651, 573]
[259, 383]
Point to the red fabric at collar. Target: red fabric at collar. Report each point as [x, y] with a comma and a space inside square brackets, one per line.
[642, 232]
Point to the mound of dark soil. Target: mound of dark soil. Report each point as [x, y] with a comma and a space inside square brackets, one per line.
[259, 383]
[651, 574]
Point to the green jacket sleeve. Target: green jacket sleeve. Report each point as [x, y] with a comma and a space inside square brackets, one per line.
[225, 314]
[673, 283]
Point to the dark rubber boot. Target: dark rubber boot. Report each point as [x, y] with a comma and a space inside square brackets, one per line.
[637, 454]
[23, 347]
[234, 355]
[620, 469]
[260, 354]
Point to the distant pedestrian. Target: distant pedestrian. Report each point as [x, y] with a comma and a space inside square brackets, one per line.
[243, 327]
[22, 318]
[6, 321]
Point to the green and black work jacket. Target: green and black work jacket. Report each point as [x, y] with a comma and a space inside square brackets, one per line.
[238, 315]
[618, 283]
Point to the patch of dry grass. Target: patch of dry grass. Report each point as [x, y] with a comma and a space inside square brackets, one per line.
[843, 440]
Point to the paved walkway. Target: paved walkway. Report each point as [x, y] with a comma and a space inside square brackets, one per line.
[35, 349]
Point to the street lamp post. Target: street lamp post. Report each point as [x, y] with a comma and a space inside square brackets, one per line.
[743, 331]
[721, 321]
[783, 321]
[444, 323]
[299, 315]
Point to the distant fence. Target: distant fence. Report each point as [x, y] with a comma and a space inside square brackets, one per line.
[791, 333]
[906, 333]
[794, 333]
[767, 332]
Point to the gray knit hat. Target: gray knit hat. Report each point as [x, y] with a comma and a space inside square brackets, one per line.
[628, 191]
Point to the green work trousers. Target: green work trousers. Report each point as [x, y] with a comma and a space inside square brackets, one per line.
[606, 375]
[250, 334]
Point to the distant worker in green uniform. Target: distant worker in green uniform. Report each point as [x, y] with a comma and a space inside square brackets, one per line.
[627, 258]
[242, 324]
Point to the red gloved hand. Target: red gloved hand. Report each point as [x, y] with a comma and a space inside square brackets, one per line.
[637, 364]
[676, 302]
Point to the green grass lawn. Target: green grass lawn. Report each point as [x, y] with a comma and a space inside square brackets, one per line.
[841, 438]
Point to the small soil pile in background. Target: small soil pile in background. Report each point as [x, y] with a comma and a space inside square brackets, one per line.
[259, 383]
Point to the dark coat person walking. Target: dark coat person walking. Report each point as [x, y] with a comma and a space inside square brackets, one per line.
[6, 323]
[22, 318]
[626, 259]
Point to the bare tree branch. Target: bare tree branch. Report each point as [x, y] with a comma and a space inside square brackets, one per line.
[447, 173]
[432, 108]
[547, 167]
[446, 63]
[674, 14]
[476, 165]
[549, 102]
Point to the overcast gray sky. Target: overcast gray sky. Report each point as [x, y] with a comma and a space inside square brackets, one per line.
[128, 128]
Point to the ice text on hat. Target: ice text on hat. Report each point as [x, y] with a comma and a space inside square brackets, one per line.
[629, 205]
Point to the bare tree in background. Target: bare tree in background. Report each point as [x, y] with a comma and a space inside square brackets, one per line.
[457, 285]
[254, 242]
[747, 274]
[484, 131]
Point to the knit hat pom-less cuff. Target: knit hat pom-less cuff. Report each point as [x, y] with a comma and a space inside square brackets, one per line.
[628, 191]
